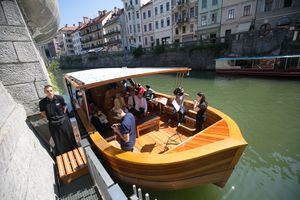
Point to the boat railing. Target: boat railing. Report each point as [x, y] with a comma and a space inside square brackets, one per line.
[107, 188]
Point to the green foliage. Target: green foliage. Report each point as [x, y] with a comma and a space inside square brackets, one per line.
[138, 52]
[54, 73]
[159, 49]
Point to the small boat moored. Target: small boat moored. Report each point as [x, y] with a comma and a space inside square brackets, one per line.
[166, 156]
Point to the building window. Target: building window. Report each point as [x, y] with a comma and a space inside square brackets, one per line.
[203, 21]
[204, 3]
[183, 29]
[146, 41]
[133, 16]
[134, 29]
[149, 13]
[268, 5]
[176, 17]
[214, 18]
[155, 10]
[130, 2]
[137, 14]
[150, 27]
[161, 8]
[145, 28]
[287, 3]
[247, 10]
[162, 23]
[129, 16]
[230, 14]
[192, 12]
[167, 6]
[139, 27]
[191, 27]
[130, 28]
[168, 21]
[176, 31]
[144, 15]
[156, 24]
[140, 39]
[214, 2]
[136, 2]
[184, 14]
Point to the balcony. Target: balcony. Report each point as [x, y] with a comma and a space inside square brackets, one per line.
[112, 33]
[111, 42]
[181, 21]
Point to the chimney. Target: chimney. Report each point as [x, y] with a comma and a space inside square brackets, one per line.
[86, 20]
[79, 23]
[99, 12]
[115, 10]
[66, 25]
[104, 11]
[73, 24]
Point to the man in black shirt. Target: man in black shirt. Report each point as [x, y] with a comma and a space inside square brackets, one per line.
[54, 108]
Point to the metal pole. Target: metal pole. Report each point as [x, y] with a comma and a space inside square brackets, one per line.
[140, 195]
[134, 190]
[147, 196]
[86, 106]
[286, 61]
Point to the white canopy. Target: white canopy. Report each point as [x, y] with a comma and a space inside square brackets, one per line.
[96, 77]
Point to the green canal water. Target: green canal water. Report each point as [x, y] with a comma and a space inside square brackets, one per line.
[267, 110]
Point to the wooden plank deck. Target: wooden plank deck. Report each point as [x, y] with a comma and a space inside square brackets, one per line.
[157, 142]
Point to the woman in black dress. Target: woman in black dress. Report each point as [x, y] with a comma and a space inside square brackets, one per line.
[200, 106]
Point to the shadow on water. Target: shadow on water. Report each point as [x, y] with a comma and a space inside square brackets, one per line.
[268, 114]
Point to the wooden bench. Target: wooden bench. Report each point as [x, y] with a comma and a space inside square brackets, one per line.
[147, 122]
[71, 165]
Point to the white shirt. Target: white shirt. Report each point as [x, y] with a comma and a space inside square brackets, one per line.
[140, 103]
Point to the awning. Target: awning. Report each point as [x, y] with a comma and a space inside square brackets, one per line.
[244, 27]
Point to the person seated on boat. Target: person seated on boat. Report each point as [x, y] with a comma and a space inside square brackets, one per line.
[149, 93]
[119, 102]
[79, 99]
[200, 106]
[141, 106]
[100, 122]
[178, 104]
[126, 130]
[139, 88]
[131, 101]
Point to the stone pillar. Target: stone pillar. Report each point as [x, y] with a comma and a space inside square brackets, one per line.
[22, 70]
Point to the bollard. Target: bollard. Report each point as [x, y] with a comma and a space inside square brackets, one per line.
[147, 196]
[140, 195]
[134, 190]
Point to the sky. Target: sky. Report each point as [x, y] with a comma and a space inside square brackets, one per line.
[72, 11]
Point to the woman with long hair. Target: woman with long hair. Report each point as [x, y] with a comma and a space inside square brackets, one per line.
[200, 106]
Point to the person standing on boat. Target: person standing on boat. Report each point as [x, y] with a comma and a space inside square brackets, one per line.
[126, 130]
[54, 108]
[178, 104]
[200, 106]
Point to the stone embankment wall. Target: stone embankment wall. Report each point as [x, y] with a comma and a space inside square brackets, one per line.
[26, 169]
[197, 59]
[22, 70]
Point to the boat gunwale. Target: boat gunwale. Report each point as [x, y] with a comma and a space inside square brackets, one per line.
[235, 140]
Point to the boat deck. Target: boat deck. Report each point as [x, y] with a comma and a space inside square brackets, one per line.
[152, 141]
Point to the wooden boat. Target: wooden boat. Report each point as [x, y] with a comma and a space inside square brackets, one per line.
[165, 157]
[284, 66]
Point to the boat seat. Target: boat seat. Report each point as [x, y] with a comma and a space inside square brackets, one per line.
[147, 122]
[71, 165]
[188, 126]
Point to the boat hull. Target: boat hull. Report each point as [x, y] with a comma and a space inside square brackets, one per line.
[185, 166]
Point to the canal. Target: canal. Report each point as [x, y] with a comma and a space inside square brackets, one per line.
[267, 110]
